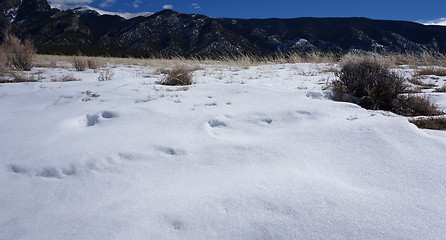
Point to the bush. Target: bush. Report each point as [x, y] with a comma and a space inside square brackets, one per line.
[412, 105]
[430, 123]
[16, 54]
[80, 63]
[105, 75]
[65, 78]
[178, 76]
[371, 82]
[374, 86]
[17, 78]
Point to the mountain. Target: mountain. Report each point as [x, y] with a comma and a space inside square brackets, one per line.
[91, 31]
[86, 8]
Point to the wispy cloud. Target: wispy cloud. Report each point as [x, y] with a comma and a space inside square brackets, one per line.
[137, 3]
[70, 1]
[107, 3]
[440, 21]
[168, 6]
[196, 6]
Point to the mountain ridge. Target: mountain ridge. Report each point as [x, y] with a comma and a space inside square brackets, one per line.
[170, 33]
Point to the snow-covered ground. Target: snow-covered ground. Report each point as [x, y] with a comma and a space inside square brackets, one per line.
[256, 153]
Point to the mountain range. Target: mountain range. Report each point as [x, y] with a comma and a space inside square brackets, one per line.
[90, 31]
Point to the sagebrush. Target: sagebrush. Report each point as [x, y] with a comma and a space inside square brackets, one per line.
[178, 76]
[371, 84]
[369, 81]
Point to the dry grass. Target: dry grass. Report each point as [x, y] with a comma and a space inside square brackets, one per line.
[245, 61]
[431, 71]
[430, 123]
[395, 59]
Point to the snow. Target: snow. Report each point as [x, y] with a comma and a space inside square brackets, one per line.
[245, 153]
[83, 8]
[439, 21]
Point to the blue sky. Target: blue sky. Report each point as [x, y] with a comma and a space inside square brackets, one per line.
[410, 10]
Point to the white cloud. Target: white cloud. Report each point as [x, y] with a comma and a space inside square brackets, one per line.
[108, 3]
[440, 21]
[136, 3]
[196, 6]
[167, 6]
[70, 1]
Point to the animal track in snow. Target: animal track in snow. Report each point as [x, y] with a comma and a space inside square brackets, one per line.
[94, 119]
[108, 114]
[177, 225]
[17, 169]
[45, 172]
[49, 172]
[216, 123]
[267, 120]
[105, 164]
[170, 151]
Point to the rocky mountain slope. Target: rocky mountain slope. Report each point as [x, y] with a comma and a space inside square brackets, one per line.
[172, 33]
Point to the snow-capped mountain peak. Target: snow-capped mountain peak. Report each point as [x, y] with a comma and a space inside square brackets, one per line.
[83, 8]
[439, 21]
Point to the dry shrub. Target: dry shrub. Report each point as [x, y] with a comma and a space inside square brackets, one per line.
[178, 76]
[430, 123]
[3, 62]
[65, 78]
[16, 54]
[372, 85]
[370, 81]
[18, 78]
[94, 63]
[413, 105]
[105, 75]
[80, 63]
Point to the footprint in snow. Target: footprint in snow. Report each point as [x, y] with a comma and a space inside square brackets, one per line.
[94, 119]
[216, 123]
[46, 172]
[169, 151]
[267, 120]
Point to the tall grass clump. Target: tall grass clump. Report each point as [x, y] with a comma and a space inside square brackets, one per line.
[16, 54]
[370, 83]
